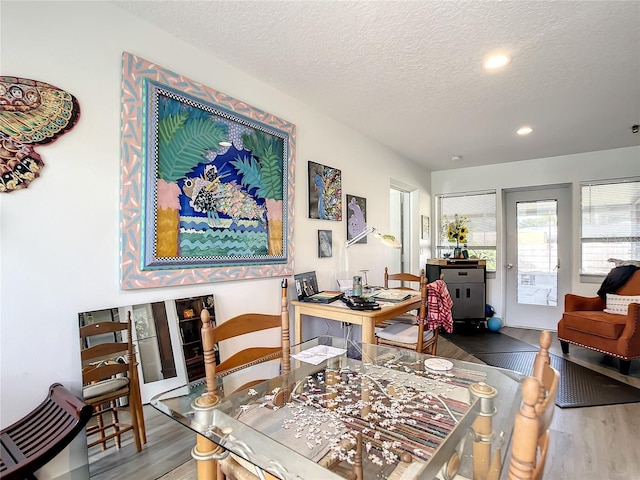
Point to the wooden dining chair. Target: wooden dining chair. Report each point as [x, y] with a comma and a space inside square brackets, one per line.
[234, 328]
[353, 470]
[403, 277]
[110, 382]
[408, 282]
[530, 441]
[548, 379]
[411, 335]
[548, 376]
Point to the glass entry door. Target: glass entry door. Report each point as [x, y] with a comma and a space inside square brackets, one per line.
[538, 257]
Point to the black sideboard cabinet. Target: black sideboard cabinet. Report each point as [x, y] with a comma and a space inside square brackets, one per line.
[466, 280]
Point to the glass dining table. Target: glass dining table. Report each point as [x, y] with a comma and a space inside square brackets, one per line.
[413, 416]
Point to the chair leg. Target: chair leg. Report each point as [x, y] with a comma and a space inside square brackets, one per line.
[134, 401]
[565, 346]
[116, 422]
[434, 349]
[139, 411]
[137, 408]
[100, 422]
[624, 366]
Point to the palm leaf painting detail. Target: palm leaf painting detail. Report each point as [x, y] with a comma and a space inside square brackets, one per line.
[181, 152]
[265, 173]
[272, 176]
[168, 126]
[183, 142]
[251, 175]
[262, 173]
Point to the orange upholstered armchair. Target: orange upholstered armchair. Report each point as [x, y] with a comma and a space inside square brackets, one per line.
[589, 322]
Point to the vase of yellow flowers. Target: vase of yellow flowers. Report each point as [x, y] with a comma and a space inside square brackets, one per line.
[456, 231]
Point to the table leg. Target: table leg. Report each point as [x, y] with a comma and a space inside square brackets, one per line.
[298, 326]
[369, 330]
[207, 468]
[205, 452]
[481, 447]
[483, 429]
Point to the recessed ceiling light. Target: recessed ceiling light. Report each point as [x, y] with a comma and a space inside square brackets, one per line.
[524, 131]
[496, 61]
[456, 158]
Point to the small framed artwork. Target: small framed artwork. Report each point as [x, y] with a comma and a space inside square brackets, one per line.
[425, 227]
[325, 192]
[325, 243]
[356, 217]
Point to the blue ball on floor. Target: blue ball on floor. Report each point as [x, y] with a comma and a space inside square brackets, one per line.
[494, 324]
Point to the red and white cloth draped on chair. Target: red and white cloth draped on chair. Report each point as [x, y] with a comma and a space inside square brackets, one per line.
[439, 305]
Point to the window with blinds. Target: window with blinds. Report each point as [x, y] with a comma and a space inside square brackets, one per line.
[480, 210]
[610, 223]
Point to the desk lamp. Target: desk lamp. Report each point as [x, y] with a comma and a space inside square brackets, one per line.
[387, 241]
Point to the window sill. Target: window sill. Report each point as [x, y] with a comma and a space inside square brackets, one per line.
[587, 278]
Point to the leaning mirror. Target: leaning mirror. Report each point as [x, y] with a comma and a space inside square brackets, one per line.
[168, 352]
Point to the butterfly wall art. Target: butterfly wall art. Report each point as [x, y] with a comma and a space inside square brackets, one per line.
[31, 113]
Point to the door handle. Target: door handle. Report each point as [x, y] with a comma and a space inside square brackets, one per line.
[509, 266]
[557, 267]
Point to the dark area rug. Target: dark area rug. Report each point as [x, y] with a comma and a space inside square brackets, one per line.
[488, 342]
[579, 386]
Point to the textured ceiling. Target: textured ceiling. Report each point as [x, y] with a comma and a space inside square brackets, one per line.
[408, 74]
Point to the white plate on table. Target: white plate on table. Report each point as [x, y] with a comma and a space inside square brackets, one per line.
[438, 364]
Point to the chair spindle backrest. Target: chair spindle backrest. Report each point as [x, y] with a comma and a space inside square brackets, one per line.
[402, 277]
[241, 325]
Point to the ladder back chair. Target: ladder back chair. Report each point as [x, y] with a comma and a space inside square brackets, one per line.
[413, 336]
[110, 382]
[530, 441]
[414, 285]
[213, 461]
[548, 379]
[402, 277]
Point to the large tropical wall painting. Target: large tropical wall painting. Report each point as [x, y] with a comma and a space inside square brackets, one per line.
[219, 184]
[216, 183]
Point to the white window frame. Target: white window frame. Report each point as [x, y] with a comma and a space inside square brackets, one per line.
[589, 234]
[442, 246]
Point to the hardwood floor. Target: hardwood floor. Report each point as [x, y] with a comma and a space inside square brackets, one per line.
[168, 446]
[594, 443]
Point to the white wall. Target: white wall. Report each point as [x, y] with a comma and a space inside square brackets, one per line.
[59, 238]
[573, 169]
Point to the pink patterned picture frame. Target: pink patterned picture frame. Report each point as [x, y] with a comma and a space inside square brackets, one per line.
[206, 201]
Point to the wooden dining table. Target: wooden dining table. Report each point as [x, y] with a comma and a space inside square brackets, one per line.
[415, 416]
[339, 312]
